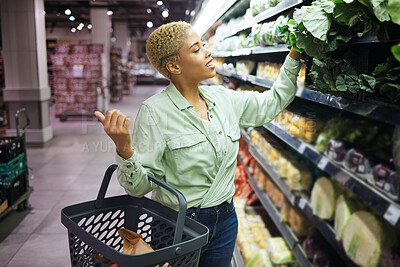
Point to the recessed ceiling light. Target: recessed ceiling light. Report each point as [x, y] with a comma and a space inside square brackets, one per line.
[149, 24]
[67, 12]
[71, 18]
[110, 12]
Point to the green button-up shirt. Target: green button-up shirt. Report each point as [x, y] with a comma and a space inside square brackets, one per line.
[196, 156]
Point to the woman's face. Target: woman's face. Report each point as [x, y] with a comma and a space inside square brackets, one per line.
[194, 59]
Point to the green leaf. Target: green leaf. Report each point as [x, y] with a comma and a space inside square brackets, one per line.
[317, 22]
[327, 6]
[299, 13]
[396, 51]
[394, 10]
[367, 83]
[380, 8]
[391, 91]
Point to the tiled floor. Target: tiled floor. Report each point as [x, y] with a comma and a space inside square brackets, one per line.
[66, 171]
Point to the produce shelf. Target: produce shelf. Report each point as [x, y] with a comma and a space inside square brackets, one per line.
[365, 109]
[253, 51]
[389, 209]
[325, 229]
[271, 172]
[282, 6]
[283, 228]
[370, 110]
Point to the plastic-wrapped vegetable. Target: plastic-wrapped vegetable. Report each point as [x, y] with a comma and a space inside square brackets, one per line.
[356, 162]
[336, 150]
[345, 207]
[365, 237]
[323, 198]
[312, 244]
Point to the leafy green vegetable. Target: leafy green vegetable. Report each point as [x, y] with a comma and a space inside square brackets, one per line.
[396, 51]
[378, 7]
[394, 10]
[367, 83]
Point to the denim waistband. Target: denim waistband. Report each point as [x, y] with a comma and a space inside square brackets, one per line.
[223, 205]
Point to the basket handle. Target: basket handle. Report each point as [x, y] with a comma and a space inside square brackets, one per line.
[181, 199]
[28, 121]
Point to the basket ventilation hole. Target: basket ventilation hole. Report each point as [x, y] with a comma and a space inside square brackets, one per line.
[169, 229]
[144, 235]
[81, 222]
[107, 216]
[109, 242]
[111, 233]
[117, 248]
[91, 218]
[116, 242]
[115, 214]
[98, 218]
[143, 216]
[149, 220]
[121, 223]
[89, 228]
[146, 227]
[162, 226]
[148, 239]
[140, 224]
[114, 223]
[96, 228]
[139, 231]
[103, 234]
[122, 214]
[104, 226]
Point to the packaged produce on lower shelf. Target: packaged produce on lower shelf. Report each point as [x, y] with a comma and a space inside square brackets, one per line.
[295, 174]
[270, 71]
[279, 252]
[365, 148]
[252, 235]
[299, 125]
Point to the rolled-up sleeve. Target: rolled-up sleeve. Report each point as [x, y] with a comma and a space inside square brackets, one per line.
[255, 109]
[148, 149]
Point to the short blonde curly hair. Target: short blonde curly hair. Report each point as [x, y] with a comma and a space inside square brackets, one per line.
[164, 43]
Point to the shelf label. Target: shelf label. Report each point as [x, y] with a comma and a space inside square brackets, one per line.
[322, 163]
[392, 214]
[302, 203]
[301, 148]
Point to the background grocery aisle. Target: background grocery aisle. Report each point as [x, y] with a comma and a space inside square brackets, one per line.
[67, 171]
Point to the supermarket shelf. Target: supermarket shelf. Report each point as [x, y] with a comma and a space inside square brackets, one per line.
[237, 260]
[325, 229]
[371, 196]
[282, 6]
[284, 229]
[366, 109]
[252, 51]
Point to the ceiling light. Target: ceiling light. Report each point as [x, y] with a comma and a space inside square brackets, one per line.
[149, 10]
[81, 25]
[73, 30]
[110, 12]
[67, 12]
[79, 28]
[187, 12]
[165, 13]
[89, 26]
[71, 18]
[192, 13]
[149, 24]
[58, 14]
[159, 3]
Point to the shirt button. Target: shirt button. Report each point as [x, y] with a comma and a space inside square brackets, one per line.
[130, 183]
[220, 132]
[193, 214]
[224, 153]
[211, 116]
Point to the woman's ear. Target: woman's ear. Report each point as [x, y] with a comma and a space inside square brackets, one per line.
[173, 67]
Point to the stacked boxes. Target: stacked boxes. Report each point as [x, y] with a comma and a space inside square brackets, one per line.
[77, 70]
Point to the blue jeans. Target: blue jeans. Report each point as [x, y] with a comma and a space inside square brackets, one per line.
[222, 224]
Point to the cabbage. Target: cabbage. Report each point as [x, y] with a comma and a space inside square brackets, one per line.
[323, 198]
[260, 259]
[365, 237]
[345, 207]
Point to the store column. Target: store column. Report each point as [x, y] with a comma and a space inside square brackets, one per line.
[101, 34]
[25, 66]
[122, 39]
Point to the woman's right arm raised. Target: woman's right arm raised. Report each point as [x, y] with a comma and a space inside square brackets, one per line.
[116, 125]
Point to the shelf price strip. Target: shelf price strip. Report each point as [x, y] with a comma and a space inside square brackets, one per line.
[371, 196]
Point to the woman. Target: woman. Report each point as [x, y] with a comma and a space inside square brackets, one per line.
[188, 135]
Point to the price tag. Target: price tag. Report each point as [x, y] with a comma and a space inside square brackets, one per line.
[302, 203]
[322, 163]
[302, 147]
[392, 214]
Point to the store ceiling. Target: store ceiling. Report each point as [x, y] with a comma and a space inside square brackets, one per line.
[132, 11]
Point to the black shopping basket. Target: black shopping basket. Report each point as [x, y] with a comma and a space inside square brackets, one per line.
[93, 230]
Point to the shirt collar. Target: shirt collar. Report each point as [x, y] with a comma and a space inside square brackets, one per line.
[181, 102]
